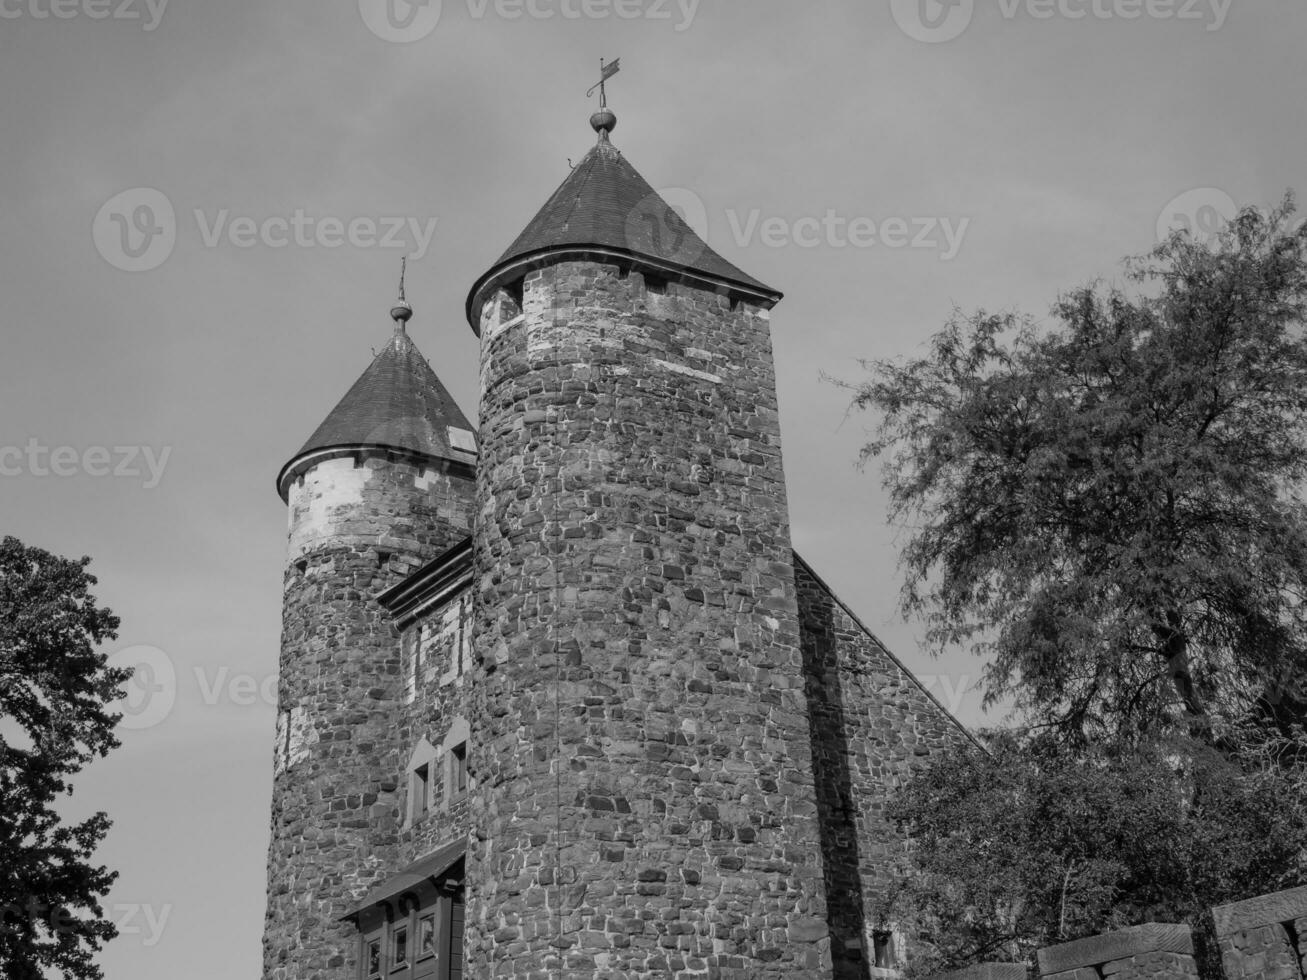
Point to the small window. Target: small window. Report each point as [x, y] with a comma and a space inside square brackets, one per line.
[516, 291]
[415, 652]
[374, 957]
[461, 439]
[421, 790]
[426, 936]
[399, 945]
[462, 636]
[458, 769]
[883, 947]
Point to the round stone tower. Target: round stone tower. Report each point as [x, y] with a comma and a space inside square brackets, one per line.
[642, 792]
[385, 484]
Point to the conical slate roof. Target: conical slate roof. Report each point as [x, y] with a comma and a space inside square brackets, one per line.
[605, 206]
[397, 403]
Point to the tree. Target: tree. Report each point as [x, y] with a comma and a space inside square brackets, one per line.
[1029, 844]
[1109, 510]
[54, 688]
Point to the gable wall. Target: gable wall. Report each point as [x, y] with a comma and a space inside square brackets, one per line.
[871, 725]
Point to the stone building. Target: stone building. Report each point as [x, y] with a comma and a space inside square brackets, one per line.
[557, 697]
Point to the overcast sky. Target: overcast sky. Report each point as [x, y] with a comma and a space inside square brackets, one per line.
[190, 282]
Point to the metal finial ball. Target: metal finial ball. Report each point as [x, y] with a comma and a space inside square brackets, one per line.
[401, 312]
[604, 121]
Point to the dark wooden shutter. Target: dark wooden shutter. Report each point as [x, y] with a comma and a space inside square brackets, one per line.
[456, 939]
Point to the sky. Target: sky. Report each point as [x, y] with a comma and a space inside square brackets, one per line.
[203, 209]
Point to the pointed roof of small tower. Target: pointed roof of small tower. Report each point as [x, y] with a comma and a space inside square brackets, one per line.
[604, 208]
[397, 403]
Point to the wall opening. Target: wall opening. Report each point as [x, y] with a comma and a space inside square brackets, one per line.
[458, 770]
[516, 291]
[884, 954]
[418, 776]
[420, 787]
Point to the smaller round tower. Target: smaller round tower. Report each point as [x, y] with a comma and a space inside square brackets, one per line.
[384, 485]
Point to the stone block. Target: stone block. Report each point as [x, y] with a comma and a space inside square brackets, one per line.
[1258, 937]
[1127, 952]
[1285, 906]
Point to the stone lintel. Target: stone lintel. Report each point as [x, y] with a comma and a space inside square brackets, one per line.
[987, 971]
[1150, 937]
[1260, 911]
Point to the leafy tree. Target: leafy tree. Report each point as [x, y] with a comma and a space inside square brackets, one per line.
[54, 688]
[1109, 510]
[1030, 844]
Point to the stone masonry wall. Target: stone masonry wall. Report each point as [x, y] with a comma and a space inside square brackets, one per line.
[872, 724]
[1153, 951]
[434, 713]
[643, 802]
[355, 529]
[1263, 938]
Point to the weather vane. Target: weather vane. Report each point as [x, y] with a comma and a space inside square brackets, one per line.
[605, 72]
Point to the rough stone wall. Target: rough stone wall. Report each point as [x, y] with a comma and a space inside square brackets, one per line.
[872, 724]
[1260, 953]
[414, 511]
[1262, 938]
[643, 800]
[355, 529]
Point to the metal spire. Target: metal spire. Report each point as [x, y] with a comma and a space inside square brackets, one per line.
[401, 312]
[605, 120]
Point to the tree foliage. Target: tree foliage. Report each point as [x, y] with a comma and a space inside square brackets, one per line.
[54, 689]
[1110, 509]
[1029, 844]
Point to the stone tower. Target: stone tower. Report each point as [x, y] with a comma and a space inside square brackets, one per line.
[385, 484]
[643, 802]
